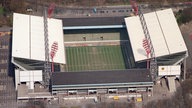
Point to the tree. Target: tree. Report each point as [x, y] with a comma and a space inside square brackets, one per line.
[184, 16]
[17, 6]
[181, 99]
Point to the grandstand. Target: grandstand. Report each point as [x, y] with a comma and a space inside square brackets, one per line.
[131, 82]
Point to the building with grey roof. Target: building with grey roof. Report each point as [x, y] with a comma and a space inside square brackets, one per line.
[124, 81]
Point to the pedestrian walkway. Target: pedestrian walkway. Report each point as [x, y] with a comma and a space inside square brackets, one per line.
[171, 84]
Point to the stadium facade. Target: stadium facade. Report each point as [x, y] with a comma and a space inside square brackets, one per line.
[130, 81]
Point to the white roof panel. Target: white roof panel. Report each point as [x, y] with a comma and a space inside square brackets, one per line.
[169, 70]
[34, 75]
[37, 38]
[136, 36]
[28, 38]
[171, 31]
[20, 45]
[56, 35]
[156, 34]
[164, 33]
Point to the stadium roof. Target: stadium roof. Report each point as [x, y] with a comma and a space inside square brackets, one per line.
[93, 21]
[28, 37]
[164, 33]
[101, 77]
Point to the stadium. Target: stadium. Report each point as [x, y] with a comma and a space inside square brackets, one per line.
[96, 55]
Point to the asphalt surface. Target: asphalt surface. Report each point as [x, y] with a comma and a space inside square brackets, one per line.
[187, 36]
[7, 90]
[101, 11]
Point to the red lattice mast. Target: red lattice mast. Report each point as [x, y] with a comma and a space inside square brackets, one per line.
[147, 50]
[50, 10]
[54, 49]
[134, 6]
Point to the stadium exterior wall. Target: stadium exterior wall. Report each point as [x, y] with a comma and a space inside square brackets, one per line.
[102, 82]
[104, 89]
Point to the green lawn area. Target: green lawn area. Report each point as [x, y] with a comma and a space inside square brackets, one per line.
[96, 58]
[1, 10]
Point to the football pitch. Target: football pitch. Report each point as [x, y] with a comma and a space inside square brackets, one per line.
[87, 58]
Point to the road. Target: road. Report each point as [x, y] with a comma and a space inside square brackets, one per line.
[103, 11]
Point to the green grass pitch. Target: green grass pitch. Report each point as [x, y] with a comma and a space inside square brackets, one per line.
[97, 58]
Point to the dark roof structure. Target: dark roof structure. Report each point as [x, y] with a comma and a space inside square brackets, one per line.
[93, 21]
[101, 77]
